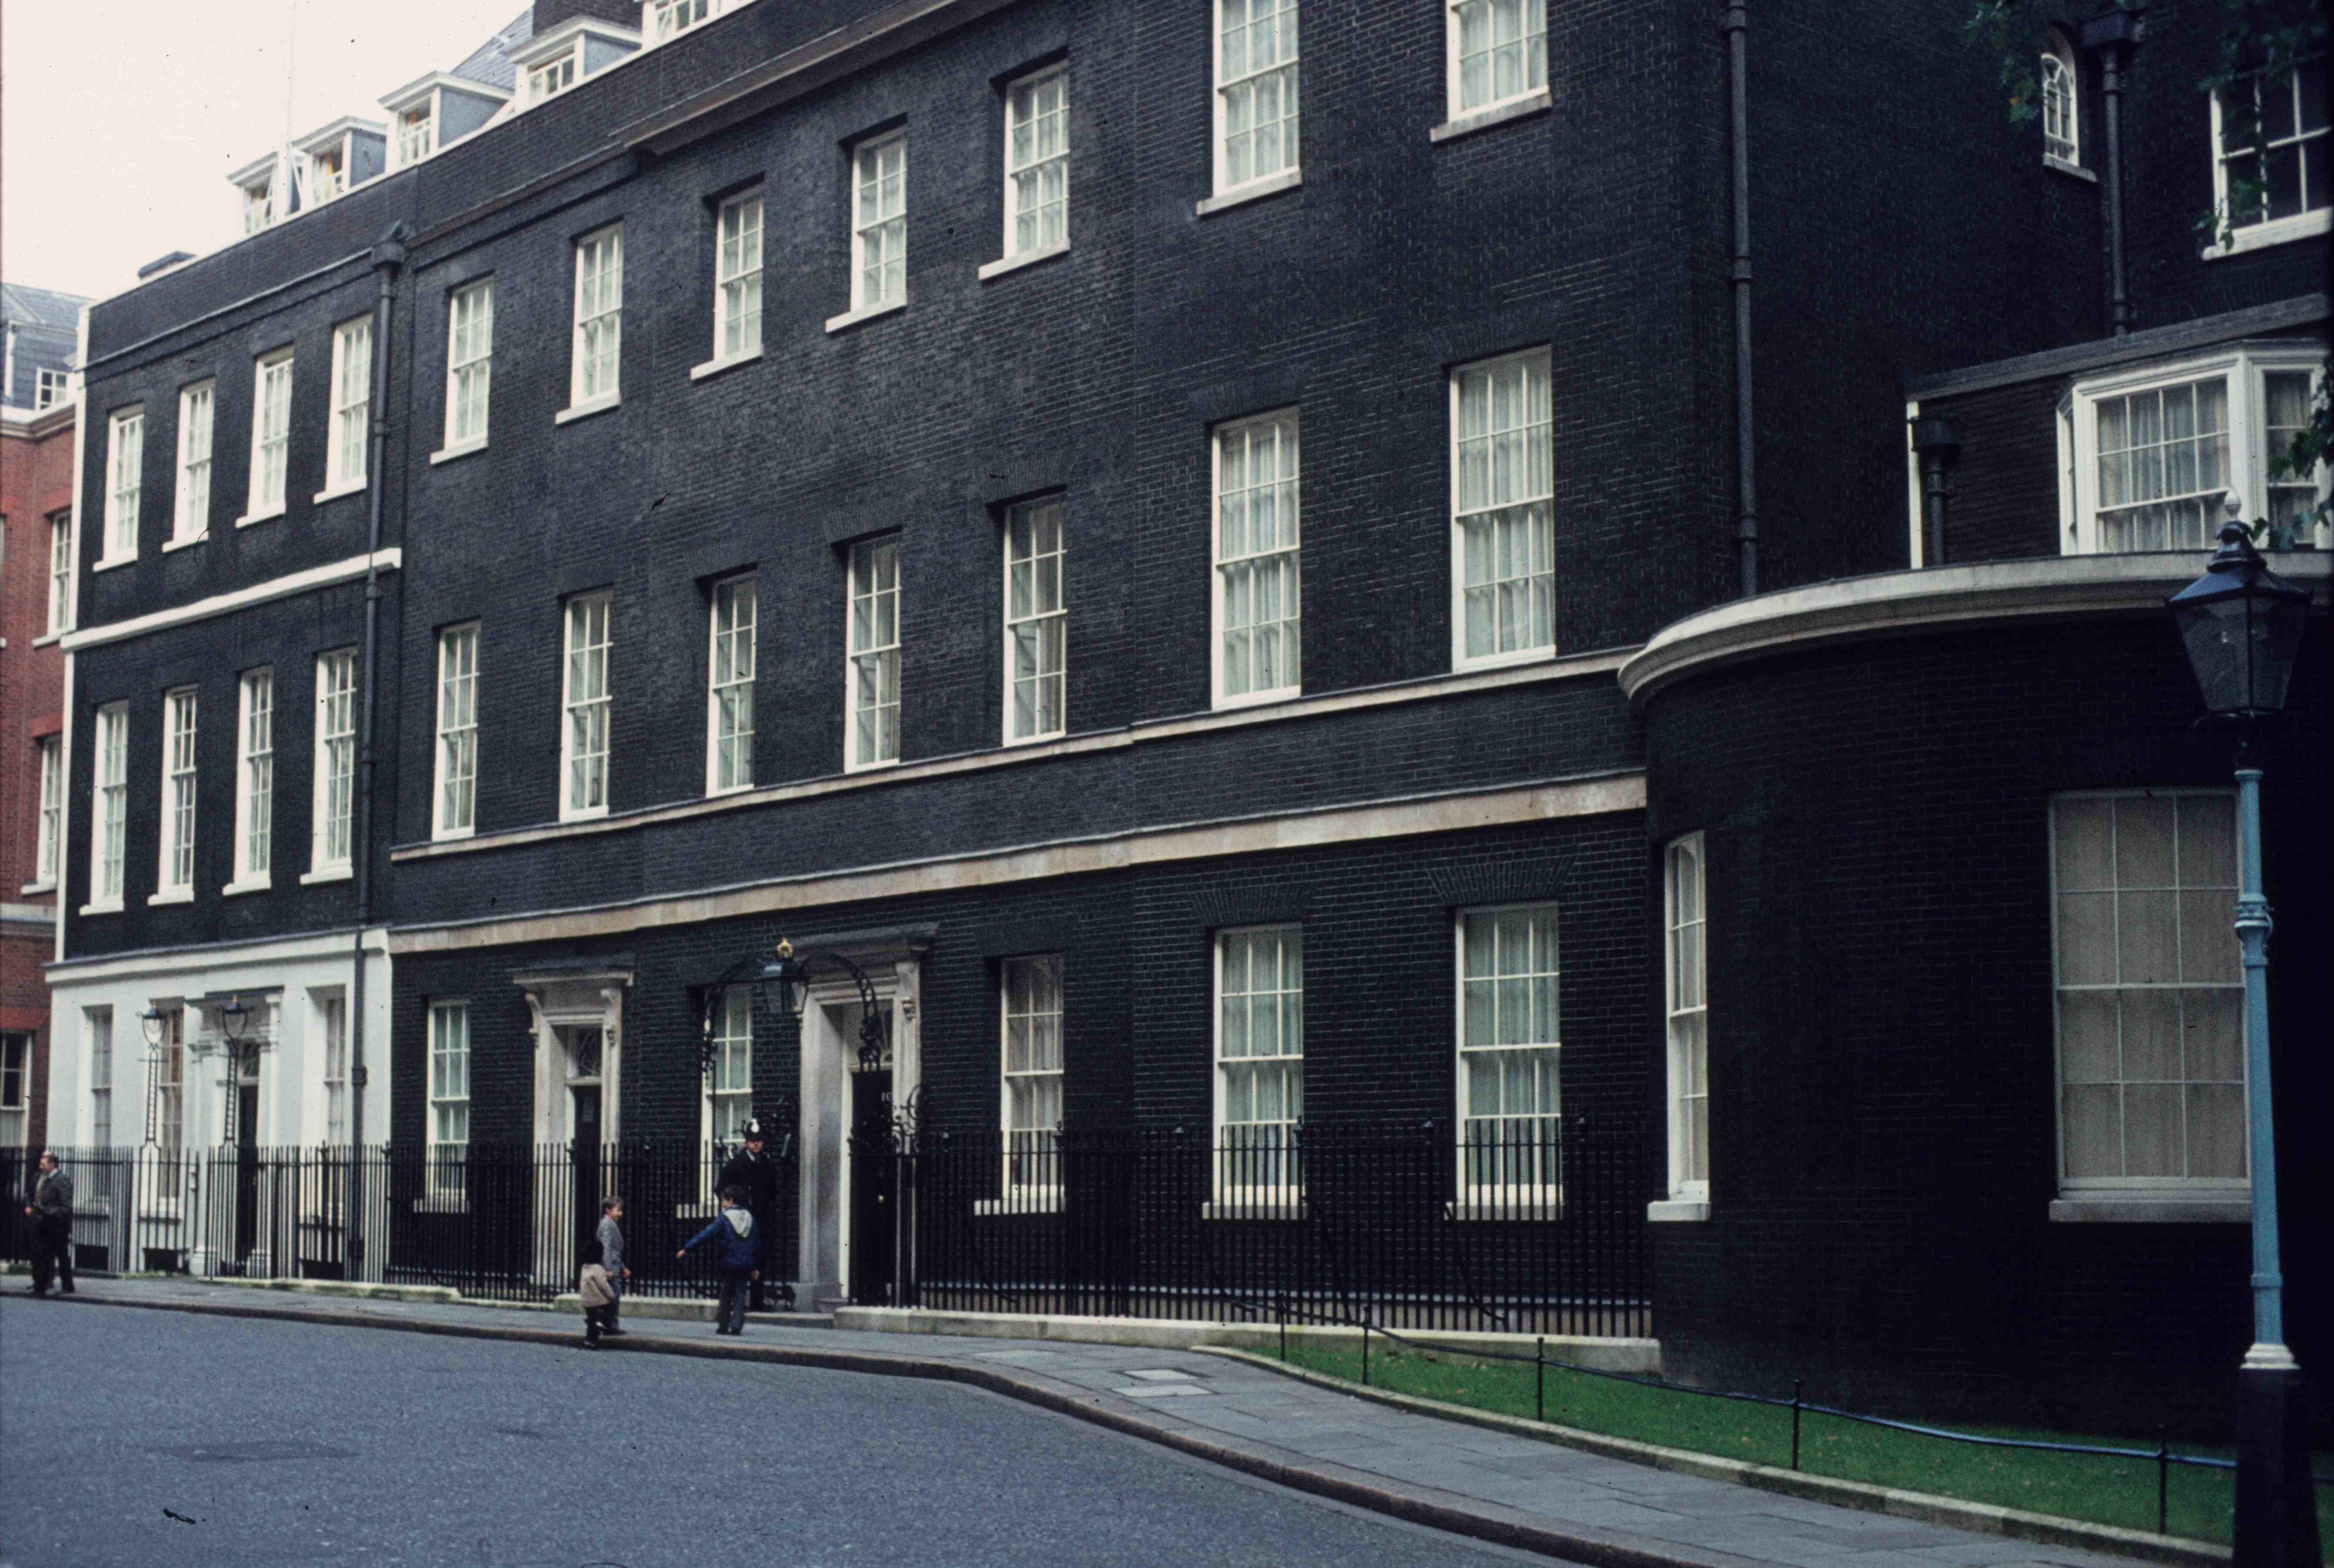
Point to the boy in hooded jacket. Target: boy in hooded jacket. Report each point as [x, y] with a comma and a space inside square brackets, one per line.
[740, 1257]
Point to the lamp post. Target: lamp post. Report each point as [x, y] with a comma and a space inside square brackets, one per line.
[2242, 625]
[234, 1022]
[154, 1022]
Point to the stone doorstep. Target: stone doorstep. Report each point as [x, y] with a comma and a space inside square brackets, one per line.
[1988, 1518]
[1642, 1357]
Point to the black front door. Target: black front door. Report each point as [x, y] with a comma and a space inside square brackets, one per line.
[872, 1165]
[246, 1168]
[586, 1217]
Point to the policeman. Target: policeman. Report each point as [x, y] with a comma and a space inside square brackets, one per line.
[752, 1168]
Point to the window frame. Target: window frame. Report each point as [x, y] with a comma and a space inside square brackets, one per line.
[125, 482]
[191, 512]
[167, 1104]
[1455, 107]
[179, 797]
[1250, 1196]
[737, 1001]
[255, 781]
[2266, 230]
[860, 227]
[2243, 367]
[1684, 1186]
[349, 420]
[97, 1032]
[1058, 617]
[331, 1012]
[1218, 696]
[404, 139]
[460, 736]
[1503, 1198]
[2063, 150]
[270, 437]
[2130, 1188]
[469, 382]
[1042, 1144]
[741, 587]
[448, 1172]
[15, 1075]
[60, 572]
[728, 283]
[258, 206]
[1292, 165]
[1527, 653]
[867, 550]
[657, 26]
[108, 814]
[51, 389]
[571, 705]
[547, 79]
[605, 243]
[48, 850]
[334, 790]
[1031, 81]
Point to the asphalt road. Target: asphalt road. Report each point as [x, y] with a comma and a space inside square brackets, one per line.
[146, 1438]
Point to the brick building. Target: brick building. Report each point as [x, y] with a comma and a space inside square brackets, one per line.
[847, 476]
[37, 413]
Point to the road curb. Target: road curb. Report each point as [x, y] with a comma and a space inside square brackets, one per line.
[1478, 1521]
[1986, 1518]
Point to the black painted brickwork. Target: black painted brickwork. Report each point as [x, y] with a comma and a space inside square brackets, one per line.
[1881, 1101]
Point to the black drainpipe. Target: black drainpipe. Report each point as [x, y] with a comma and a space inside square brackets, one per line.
[2111, 38]
[1735, 21]
[1938, 442]
[388, 260]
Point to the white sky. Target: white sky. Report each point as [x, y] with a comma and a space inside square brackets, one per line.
[121, 119]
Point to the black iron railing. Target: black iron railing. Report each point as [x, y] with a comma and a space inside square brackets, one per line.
[1531, 1227]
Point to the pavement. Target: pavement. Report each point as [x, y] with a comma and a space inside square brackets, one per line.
[1494, 1487]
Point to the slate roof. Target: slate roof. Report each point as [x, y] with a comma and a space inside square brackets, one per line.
[47, 328]
[491, 63]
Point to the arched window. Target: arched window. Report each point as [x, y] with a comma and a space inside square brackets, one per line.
[2062, 138]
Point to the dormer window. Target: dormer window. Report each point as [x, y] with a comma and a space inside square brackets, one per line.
[551, 78]
[258, 206]
[668, 17]
[328, 174]
[417, 135]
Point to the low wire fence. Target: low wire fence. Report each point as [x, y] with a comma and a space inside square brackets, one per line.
[1530, 1226]
[497, 1222]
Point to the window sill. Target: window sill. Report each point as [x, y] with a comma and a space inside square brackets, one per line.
[248, 518]
[715, 366]
[1010, 741]
[452, 835]
[1677, 1210]
[1254, 191]
[1263, 1208]
[1027, 258]
[1495, 1211]
[850, 318]
[1259, 699]
[1465, 666]
[2277, 230]
[448, 453]
[1475, 119]
[171, 896]
[587, 814]
[2219, 1208]
[1029, 1203]
[2073, 170]
[569, 415]
[31, 887]
[114, 909]
[170, 544]
[253, 885]
[712, 793]
[850, 767]
[323, 496]
[105, 565]
[328, 874]
[47, 638]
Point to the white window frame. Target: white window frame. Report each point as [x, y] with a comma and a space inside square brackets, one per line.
[174, 875]
[469, 365]
[258, 206]
[1526, 493]
[48, 854]
[1685, 1010]
[331, 1007]
[726, 1100]
[271, 437]
[328, 174]
[737, 278]
[1289, 170]
[61, 572]
[868, 650]
[255, 782]
[588, 705]
[547, 79]
[97, 1029]
[15, 1073]
[1036, 617]
[352, 412]
[595, 377]
[1018, 165]
[108, 815]
[190, 516]
[1032, 1165]
[1235, 1182]
[334, 766]
[167, 1071]
[447, 1093]
[417, 132]
[50, 387]
[2130, 1187]
[665, 20]
[2061, 84]
[886, 220]
[2243, 366]
[2315, 145]
[733, 617]
[454, 782]
[1459, 108]
[1290, 426]
[125, 466]
[1525, 1180]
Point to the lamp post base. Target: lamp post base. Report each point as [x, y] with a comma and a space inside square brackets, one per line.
[2277, 1514]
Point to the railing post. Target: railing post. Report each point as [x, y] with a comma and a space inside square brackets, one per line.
[1539, 1378]
[1365, 1353]
[1795, 1423]
[2163, 1479]
[1280, 1305]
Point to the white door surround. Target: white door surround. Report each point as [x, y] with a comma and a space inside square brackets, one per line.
[566, 1006]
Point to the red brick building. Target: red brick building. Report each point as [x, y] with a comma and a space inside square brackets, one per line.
[38, 415]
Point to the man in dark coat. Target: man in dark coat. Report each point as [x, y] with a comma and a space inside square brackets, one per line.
[753, 1170]
[50, 1212]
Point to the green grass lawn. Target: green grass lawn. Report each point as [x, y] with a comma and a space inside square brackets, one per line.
[2106, 1491]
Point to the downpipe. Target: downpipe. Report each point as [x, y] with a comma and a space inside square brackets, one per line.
[1735, 23]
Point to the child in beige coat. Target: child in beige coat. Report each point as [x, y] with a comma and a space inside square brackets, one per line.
[596, 1294]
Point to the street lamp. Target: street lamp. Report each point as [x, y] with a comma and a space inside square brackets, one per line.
[783, 981]
[241, 1054]
[2242, 625]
